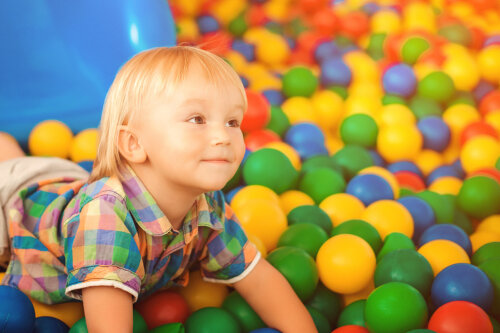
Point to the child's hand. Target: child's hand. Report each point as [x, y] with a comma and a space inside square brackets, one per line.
[272, 297]
[107, 309]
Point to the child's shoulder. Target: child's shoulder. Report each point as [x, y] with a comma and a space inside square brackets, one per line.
[102, 187]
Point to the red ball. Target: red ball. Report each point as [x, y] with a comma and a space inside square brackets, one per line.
[163, 307]
[477, 128]
[409, 180]
[258, 113]
[311, 6]
[351, 329]
[490, 102]
[355, 24]
[325, 21]
[259, 138]
[488, 172]
[460, 316]
[256, 15]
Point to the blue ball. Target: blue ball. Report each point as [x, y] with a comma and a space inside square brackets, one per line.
[87, 165]
[405, 166]
[50, 325]
[458, 166]
[304, 132]
[482, 89]
[308, 149]
[274, 97]
[207, 24]
[435, 132]
[449, 232]
[265, 330]
[377, 159]
[230, 195]
[326, 50]
[247, 50]
[399, 80]
[442, 171]
[462, 282]
[422, 213]
[369, 188]
[370, 8]
[244, 81]
[334, 71]
[16, 311]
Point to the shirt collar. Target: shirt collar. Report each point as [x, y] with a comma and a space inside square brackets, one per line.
[153, 221]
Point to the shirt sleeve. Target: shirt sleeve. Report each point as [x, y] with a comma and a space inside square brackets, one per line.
[229, 255]
[101, 248]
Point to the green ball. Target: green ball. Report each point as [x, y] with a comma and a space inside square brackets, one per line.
[376, 45]
[412, 49]
[320, 183]
[362, 229]
[425, 107]
[437, 86]
[327, 302]
[486, 252]
[479, 197]
[234, 181]
[497, 164]
[395, 241]
[299, 81]
[169, 328]
[460, 219]
[353, 314]
[352, 159]
[319, 161]
[407, 266]
[211, 319]
[297, 267]
[270, 168]
[139, 324]
[359, 129]
[279, 122]
[339, 90]
[492, 269]
[238, 26]
[306, 236]
[322, 324]
[248, 319]
[310, 214]
[463, 97]
[442, 207]
[496, 325]
[79, 327]
[456, 33]
[393, 99]
[395, 307]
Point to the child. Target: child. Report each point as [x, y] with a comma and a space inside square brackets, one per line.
[151, 208]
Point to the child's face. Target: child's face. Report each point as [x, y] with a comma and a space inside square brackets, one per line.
[193, 139]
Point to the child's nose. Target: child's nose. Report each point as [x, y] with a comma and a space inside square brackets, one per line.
[219, 135]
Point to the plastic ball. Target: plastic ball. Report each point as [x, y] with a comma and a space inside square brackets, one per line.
[306, 236]
[361, 229]
[393, 242]
[395, 307]
[399, 142]
[389, 216]
[342, 207]
[326, 302]
[475, 129]
[297, 267]
[326, 50]
[328, 108]
[16, 311]
[409, 180]
[486, 252]
[320, 321]
[460, 316]
[447, 231]
[354, 24]
[428, 160]
[412, 48]
[353, 314]
[442, 253]
[273, 50]
[265, 330]
[437, 86]
[435, 132]
[479, 197]
[395, 114]
[211, 319]
[320, 183]
[443, 171]
[443, 206]
[200, 294]
[463, 70]
[50, 325]
[299, 109]
[270, 168]
[421, 212]
[299, 81]
[288, 151]
[492, 269]
[252, 193]
[424, 106]
[490, 224]
[405, 166]
[490, 102]
[351, 329]
[258, 112]
[163, 307]
[345, 263]
[458, 116]
[50, 138]
[489, 63]
[169, 328]
[207, 24]
[369, 188]
[279, 122]
[237, 306]
[310, 214]
[84, 145]
[386, 21]
[399, 80]
[359, 129]
[334, 71]
[292, 199]
[352, 159]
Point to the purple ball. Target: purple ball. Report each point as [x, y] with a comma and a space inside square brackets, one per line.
[495, 39]
[334, 71]
[207, 24]
[482, 89]
[274, 97]
[435, 132]
[244, 48]
[326, 50]
[400, 80]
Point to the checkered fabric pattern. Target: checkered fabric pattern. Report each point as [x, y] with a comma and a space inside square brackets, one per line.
[67, 235]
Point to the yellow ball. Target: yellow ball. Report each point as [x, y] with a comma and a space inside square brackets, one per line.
[333, 143]
[363, 67]
[419, 16]
[188, 29]
[395, 114]
[299, 109]
[463, 71]
[84, 146]
[488, 60]
[493, 118]
[292, 199]
[359, 104]
[373, 90]
[328, 107]
[288, 151]
[384, 173]
[441, 253]
[50, 138]
[386, 21]
[458, 116]
[491, 224]
[423, 69]
[226, 10]
[272, 50]
[277, 10]
[265, 82]
[480, 238]
[201, 294]
[188, 8]
[69, 313]
[237, 61]
[263, 219]
[388, 216]
[362, 294]
[399, 142]
[446, 185]
[341, 207]
[428, 160]
[259, 244]
[346, 263]
[254, 193]
[452, 152]
[479, 152]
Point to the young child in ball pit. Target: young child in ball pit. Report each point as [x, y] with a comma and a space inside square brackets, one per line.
[151, 208]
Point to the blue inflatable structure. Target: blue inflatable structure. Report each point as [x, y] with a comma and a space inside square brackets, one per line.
[59, 57]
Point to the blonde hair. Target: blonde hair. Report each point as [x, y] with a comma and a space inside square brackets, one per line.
[146, 76]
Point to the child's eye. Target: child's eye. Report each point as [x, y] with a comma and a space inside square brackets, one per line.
[196, 120]
[233, 123]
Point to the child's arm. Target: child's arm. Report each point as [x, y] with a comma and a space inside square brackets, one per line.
[107, 309]
[274, 300]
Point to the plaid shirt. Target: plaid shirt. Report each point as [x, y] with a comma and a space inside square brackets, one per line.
[67, 235]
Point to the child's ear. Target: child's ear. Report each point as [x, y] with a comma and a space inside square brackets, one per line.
[130, 147]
